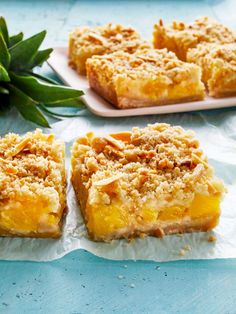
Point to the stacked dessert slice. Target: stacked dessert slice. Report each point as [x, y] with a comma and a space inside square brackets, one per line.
[206, 43]
[218, 64]
[180, 37]
[86, 41]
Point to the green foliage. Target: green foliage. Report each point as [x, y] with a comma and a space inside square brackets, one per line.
[32, 94]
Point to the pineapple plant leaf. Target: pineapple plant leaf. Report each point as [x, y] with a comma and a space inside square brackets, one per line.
[4, 77]
[30, 93]
[15, 39]
[24, 51]
[5, 56]
[26, 106]
[4, 29]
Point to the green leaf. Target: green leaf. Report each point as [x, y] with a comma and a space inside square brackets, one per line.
[4, 54]
[56, 115]
[13, 40]
[27, 107]
[4, 30]
[4, 77]
[4, 104]
[24, 51]
[44, 92]
[70, 103]
[42, 78]
[40, 57]
[4, 90]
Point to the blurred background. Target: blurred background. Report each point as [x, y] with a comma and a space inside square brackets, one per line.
[59, 17]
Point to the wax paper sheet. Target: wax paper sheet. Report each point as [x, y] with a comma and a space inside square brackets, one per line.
[216, 131]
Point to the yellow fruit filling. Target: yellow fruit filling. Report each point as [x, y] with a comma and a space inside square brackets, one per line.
[32, 185]
[28, 216]
[104, 220]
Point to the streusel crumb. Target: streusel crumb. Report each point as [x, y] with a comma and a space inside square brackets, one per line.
[218, 63]
[146, 78]
[179, 37]
[86, 41]
[32, 184]
[159, 161]
[29, 163]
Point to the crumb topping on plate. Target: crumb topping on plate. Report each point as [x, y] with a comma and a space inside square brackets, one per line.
[151, 63]
[110, 37]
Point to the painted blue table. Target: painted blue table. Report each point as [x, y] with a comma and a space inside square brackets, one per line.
[80, 282]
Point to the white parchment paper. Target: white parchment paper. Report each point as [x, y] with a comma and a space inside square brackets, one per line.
[216, 131]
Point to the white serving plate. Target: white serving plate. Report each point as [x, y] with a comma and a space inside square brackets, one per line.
[59, 63]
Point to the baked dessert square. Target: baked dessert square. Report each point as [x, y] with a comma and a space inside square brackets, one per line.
[32, 185]
[87, 41]
[179, 37]
[146, 78]
[151, 181]
[218, 63]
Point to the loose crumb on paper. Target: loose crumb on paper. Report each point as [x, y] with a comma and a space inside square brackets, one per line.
[211, 238]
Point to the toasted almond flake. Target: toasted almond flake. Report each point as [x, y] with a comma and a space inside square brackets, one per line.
[211, 187]
[197, 158]
[197, 172]
[99, 38]
[118, 144]
[122, 136]
[108, 180]
[18, 148]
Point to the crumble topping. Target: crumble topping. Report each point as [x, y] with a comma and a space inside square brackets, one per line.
[107, 39]
[218, 63]
[225, 54]
[29, 165]
[179, 37]
[149, 63]
[158, 162]
[201, 30]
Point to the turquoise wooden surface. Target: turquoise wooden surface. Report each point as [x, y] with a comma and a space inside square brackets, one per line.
[80, 282]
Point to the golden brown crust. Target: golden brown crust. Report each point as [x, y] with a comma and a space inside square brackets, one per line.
[163, 229]
[86, 41]
[146, 78]
[128, 103]
[51, 235]
[126, 181]
[218, 63]
[179, 37]
[106, 91]
[32, 185]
